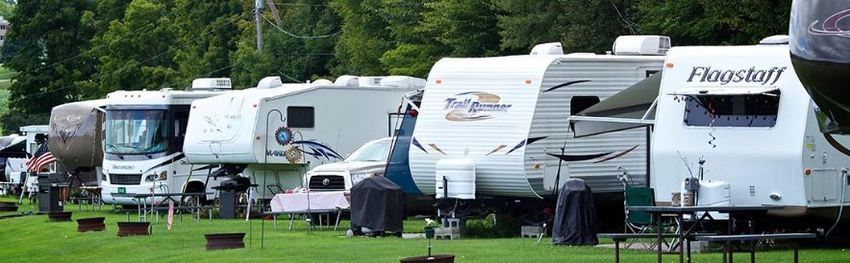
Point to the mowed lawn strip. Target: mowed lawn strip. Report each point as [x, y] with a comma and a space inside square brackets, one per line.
[35, 239]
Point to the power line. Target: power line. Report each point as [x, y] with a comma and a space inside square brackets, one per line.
[300, 36]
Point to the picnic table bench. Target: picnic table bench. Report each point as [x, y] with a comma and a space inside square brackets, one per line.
[621, 237]
[727, 248]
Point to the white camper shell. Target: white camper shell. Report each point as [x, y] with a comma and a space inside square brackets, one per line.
[507, 116]
[143, 142]
[282, 130]
[743, 110]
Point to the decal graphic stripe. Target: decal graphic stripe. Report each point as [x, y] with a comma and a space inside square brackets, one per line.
[497, 149]
[835, 144]
[416, 143]
[565, 84]
[573, 158]
[616, 155]
[525, 142]
[433, 146]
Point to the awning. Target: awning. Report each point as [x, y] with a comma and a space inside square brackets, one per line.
[11, 140]
[725, 91]
[631, 108]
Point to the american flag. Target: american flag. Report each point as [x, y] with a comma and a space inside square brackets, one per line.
[40, 159]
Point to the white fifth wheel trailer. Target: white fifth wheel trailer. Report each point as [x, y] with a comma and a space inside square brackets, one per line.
[274, 133]
[743, 111]
[497, 127]
[144, 133]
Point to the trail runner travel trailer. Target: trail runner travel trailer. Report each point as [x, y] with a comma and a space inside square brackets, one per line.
[75, 138]
[274, 133]
[743, 110]
[497, 127]
[143, 142]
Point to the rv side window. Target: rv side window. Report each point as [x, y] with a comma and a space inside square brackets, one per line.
[580, 103]
[752, 110]
[300, 117]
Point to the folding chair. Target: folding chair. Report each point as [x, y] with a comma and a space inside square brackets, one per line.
[639, 222]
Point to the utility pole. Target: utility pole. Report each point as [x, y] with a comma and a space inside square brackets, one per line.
[258, 7]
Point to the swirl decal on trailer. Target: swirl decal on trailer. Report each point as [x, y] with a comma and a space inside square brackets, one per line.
[831, 25]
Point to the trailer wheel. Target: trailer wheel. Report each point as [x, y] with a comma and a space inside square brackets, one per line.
[194, 187]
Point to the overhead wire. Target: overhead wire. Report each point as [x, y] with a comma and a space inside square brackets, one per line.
[299, 36]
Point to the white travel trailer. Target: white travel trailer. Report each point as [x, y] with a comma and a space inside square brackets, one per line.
[274, 133]
[143, 142]
[498, 126]
[743, 110]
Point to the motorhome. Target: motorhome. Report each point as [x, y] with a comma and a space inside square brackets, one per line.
[275, 132]
[75, 138]
[144, 133]
[497, 127]
[743, 111]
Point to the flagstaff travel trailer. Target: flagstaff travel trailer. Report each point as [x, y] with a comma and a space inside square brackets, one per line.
[76, 140]
[497, 127]
[144, 133]
[274, 133]
[743, 111]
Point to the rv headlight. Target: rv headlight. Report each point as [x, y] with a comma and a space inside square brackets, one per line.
[356, 178]
[150, 178]
[103, 177]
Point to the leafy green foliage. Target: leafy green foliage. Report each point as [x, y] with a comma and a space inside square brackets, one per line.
[50, 36]
[74, 49]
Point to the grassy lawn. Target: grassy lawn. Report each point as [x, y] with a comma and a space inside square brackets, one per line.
[35, 239]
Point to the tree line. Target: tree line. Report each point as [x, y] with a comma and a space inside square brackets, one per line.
[71, 50]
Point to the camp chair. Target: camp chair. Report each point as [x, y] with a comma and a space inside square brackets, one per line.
[639, 222]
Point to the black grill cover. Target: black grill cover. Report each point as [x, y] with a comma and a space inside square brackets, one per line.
[377, 203]
[575, 216]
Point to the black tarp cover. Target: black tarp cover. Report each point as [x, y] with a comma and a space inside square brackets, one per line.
[378, 204]
[575, 216]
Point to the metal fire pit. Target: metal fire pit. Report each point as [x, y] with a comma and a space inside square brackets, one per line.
[59, 216]
[442, 258]
[90, 224]
[8, 206]
[133, 229]
[225, 241]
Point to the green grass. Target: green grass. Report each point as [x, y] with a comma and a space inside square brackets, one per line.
[35, 239]
[6, 77]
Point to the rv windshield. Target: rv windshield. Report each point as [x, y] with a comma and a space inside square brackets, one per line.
[135, 131]
[375, 151]
[750, 110]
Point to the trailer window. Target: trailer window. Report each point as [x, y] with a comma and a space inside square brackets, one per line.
[752, 110]
[580, 103]
[300, 117]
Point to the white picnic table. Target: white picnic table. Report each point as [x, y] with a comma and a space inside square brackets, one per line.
[310, 203]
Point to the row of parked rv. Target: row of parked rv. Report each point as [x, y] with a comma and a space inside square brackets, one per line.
[483, 130]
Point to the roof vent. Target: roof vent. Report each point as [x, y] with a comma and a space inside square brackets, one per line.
[642, 45]
[322, 82]
[270, 83]
[211, 83]
[403, 82]
[370, 81]
[348, 81]
[553, 48]
[775, 40]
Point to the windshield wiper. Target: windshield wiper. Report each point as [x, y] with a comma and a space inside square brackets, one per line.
[113, 147]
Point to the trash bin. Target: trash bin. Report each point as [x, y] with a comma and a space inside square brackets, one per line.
[49, 186]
